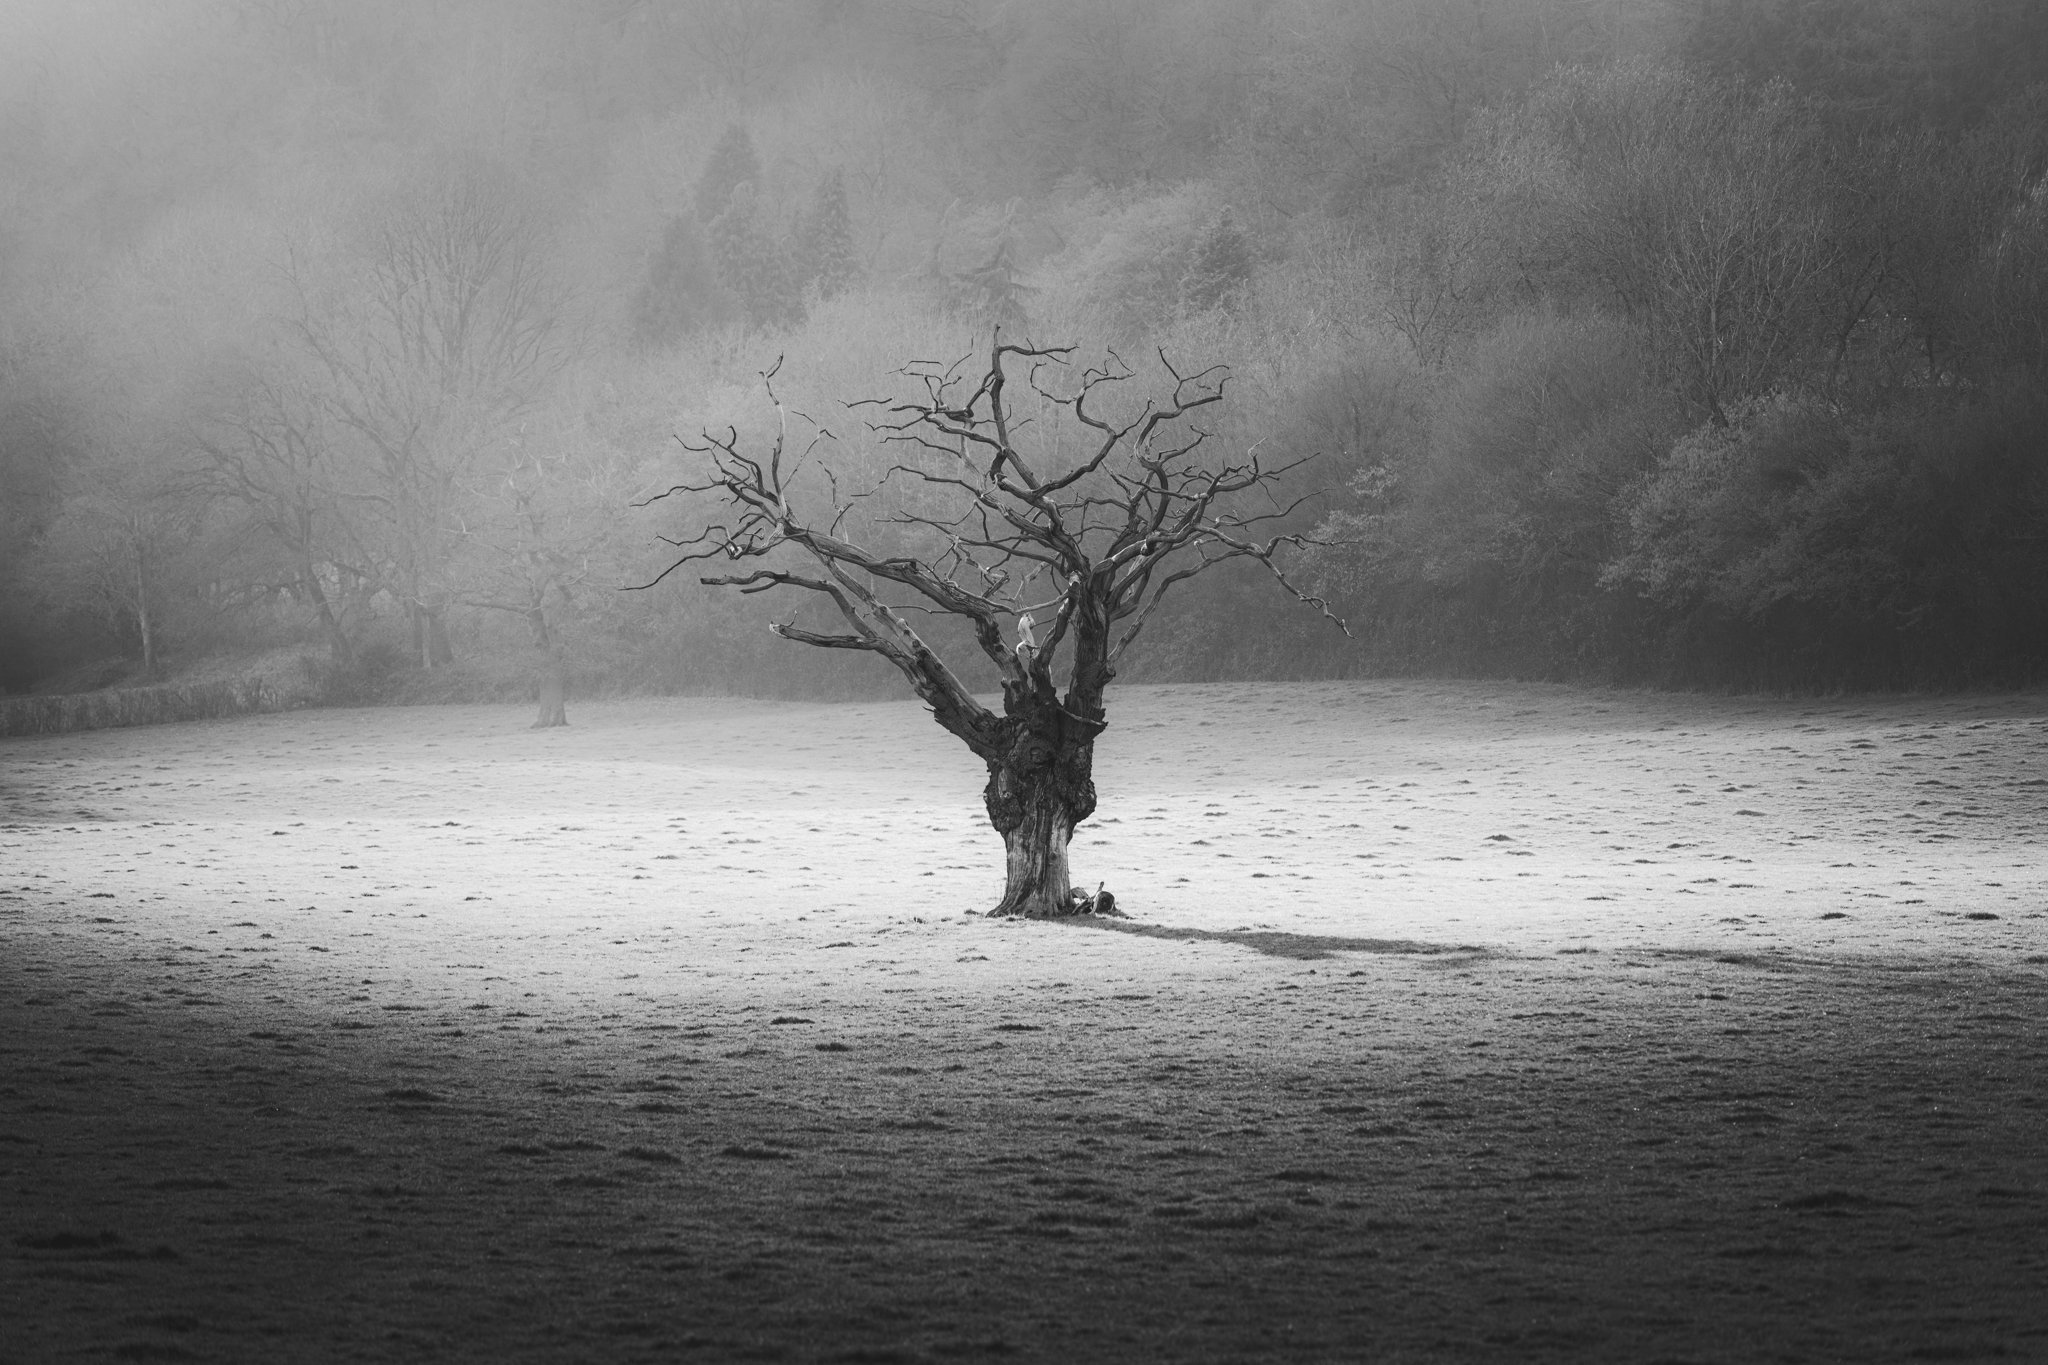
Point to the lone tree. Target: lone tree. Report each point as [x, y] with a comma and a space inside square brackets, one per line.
[1053, 559]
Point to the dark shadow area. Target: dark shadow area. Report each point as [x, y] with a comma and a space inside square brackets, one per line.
[1274, 943]
[210, 1161]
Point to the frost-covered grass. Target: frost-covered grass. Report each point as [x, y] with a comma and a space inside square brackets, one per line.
[1492, 1021]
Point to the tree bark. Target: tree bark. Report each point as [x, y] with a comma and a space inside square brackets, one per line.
[554, 694]
[1037, 792]
[430, 637]
[339, 650]
[142, 621]
[553, 685]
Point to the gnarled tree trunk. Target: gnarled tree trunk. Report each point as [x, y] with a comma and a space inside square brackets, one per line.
[1037, 792]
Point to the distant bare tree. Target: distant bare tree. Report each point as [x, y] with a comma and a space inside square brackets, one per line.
[538, 520]
[129, 544]
[1054, 557]
[263, 450]
[1698, 210]
[428, 355]
[734, 41]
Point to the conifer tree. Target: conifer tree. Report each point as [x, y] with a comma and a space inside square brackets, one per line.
[682, 293]
[1221, 267]
[754, 264]
[828, 238]
[993, 292]
[733, 163]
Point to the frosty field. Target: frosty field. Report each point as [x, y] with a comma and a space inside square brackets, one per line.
[1451, 1022]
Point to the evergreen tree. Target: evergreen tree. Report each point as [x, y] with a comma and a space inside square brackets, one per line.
[1221, 267]
[991, 292]
[732, 164]
[754, 264]
[682, 293]
[827, 239]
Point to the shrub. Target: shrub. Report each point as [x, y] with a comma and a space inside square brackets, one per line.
[51, 715]
[1481, 546]
[1806, 545]
[1139, 262]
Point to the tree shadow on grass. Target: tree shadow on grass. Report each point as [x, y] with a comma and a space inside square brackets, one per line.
[1274, 943]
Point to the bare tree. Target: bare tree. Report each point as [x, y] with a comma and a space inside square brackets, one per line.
[263, 449]
[429, 354]
[538, 520]
[1697, 210]
[1053, 558]
[130, 542]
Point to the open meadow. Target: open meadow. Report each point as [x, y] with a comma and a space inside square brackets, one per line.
[1452, 1021]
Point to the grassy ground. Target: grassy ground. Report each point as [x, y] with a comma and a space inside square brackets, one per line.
[1455, 1022]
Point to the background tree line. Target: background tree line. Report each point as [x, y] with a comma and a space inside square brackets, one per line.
[1697, 341]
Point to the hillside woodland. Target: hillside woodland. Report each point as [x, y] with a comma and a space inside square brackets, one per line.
[1690, 342]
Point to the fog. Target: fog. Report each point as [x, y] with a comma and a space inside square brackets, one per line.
[337, 339]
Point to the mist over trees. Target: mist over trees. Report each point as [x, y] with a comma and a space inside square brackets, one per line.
[1691, 341]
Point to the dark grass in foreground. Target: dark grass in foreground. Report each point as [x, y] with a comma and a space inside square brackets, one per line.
[1634, 1156]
